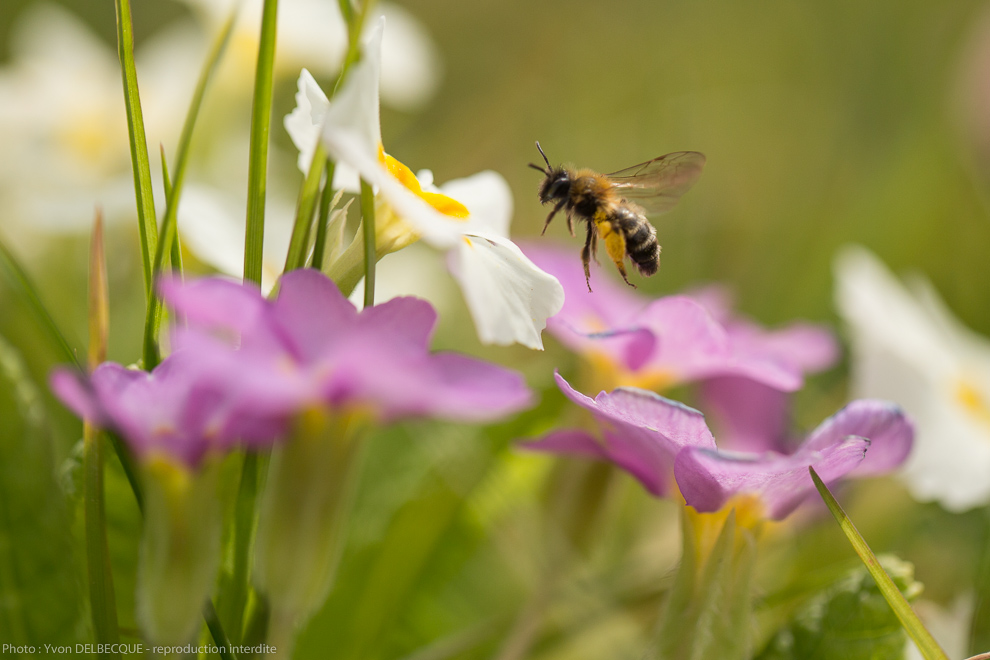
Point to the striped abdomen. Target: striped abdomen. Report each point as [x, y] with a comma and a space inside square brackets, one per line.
[641, 239]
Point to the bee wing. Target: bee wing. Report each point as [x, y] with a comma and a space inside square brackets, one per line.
[657, 184]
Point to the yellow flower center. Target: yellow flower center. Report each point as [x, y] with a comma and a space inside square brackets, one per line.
[609, 374]
[446, 205]
[973, 400]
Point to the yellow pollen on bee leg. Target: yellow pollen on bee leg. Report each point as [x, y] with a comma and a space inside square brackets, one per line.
[446, 205]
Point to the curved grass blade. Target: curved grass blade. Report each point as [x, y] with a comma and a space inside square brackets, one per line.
[261, 116]
[22, 285]
[923, 639]
[140, 163]
[168, 232]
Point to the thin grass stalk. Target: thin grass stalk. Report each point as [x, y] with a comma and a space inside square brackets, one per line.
[923, 639]
[261, 115]
[368, 225]
[305, 210]
[140, 163]
[168, 230]
[326, 198]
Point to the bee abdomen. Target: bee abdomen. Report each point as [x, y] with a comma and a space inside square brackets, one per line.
[641, 242]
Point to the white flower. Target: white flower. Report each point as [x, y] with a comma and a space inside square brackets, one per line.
[508, 296]
[907, 347]
[312, 33]
[62, 122]
[211, 226]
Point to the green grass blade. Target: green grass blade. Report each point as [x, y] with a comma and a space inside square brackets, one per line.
[216, 630]
[923, 639]
[168, 232]
[308, 195]
[370, 258]
[326, 199]
[24, 288]
[261, 116]
[138, 142]
[176, 255]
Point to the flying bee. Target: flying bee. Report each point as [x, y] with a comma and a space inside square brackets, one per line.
[615, 205]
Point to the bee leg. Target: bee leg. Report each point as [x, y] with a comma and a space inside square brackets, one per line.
[556, 208]
[594, 248]
[589, 245]
[622, 271]
[570, 222]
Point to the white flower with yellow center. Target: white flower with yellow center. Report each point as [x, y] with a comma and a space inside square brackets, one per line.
[312, 33]
[509, 298]
[907, 347]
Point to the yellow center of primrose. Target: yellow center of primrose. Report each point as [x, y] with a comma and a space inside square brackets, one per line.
[446, 205]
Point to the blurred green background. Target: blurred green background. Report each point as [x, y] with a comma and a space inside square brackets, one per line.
[824, 123]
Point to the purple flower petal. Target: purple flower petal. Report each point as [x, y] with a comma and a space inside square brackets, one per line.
[568, 441]
[889, 429]
[747, 415]
[709, 479]
[215, 303]
[642, 432]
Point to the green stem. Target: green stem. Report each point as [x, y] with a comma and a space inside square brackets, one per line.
[176, 255]
[321, 223]
[216, 630]
[261, 114]
[168, 232]
[244, 527]
[103, 604]
[308, 195]
[138, 143]
[923, 639]
[368, 224]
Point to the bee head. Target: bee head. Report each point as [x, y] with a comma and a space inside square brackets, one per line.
[557, 184]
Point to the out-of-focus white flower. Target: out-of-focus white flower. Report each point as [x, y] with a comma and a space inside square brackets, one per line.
[211, 226]
[508, 296]
[312, 34]
[62, 122]
[907, 347]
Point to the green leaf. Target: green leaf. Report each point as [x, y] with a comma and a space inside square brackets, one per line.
[140, 163]
[848, 620]
[912, 624]
[168, 233]
[261, 115]
[39, 592]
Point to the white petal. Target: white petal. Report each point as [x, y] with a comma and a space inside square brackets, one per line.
[489, 200]
[876, 305]
[305, 121]
[211, 226]
[509, 297]
[410, 63]
[435, 228]
[910, 349]
[355, 106]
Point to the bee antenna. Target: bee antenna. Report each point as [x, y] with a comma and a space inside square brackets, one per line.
[538, 168]
[544, 155]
